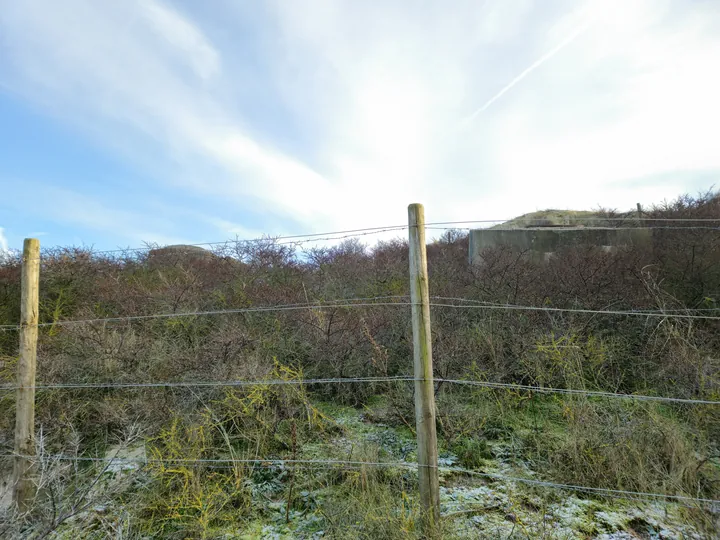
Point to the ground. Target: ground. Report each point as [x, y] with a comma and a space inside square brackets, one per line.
[472, 506]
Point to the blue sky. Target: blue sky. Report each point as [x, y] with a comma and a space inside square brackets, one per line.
[125, 121]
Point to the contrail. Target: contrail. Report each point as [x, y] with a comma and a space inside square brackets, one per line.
[540, 61]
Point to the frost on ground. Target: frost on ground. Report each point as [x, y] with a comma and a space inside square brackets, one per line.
[478, 508]
[506, 511]
[472, 506]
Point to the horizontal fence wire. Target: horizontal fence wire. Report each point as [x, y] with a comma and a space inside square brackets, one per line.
[280, 239]
[367, 302]
[586, 219]
[576, 392]
[200, 384]
[343, 237]
[617, 493]
[437, 225]
[515, 307]
[271, 462]
[341, 303]
[556, 227]
[640, 311]
[295, 382]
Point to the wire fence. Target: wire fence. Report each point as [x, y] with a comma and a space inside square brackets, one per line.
[370, 302]
[343, 380]
[301, 239]
[394, 301]
[358, 464]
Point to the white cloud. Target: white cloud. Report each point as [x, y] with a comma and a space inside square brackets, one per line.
[122, 66]
[180, 33]
[601, 105]
[3, 241]
[577, 98]
[651, 112]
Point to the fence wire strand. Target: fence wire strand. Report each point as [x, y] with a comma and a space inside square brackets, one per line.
[196, 384]
[397, 378]
[300, 239]
[515, 307]
[341, 303]
[270, 462]
[367, 302]
[571, 391]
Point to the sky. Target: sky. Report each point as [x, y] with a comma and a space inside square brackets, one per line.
[132, 121]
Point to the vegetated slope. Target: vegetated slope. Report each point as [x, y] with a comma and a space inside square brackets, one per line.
[559, 218]
[615, 444]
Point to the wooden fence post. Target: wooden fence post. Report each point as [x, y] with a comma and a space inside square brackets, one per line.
[424, 387]
[24, 488]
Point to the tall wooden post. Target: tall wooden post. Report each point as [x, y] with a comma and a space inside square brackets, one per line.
[24, 488]
[424, 388]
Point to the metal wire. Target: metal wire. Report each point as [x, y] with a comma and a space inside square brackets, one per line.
[583, 218]
[640, 311]
[356, 235]
[617, 493]
[274, 239]
[361, 303]
[656, 314]
[276, 382]
[349, 302]
[62, 457]
[332, 235]
[666, 228]
[194, 384]
[589, 393]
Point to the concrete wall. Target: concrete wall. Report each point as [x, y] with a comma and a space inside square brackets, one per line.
[544, 241]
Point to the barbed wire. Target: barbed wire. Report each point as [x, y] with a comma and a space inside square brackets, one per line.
[570, 227]
[581, 219]
[286, 239]
[571, 391]
[148, 460]
[640, 311]
[348, 302]
[341, 380]
[349, 233]
[357, 235]
[617, 493]
[194, 384]
[366, 302]
[514, 307]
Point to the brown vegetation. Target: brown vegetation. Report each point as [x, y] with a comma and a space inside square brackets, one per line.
[621, 445]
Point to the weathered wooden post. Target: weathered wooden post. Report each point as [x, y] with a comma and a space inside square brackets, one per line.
[24, 488]
[424, 388]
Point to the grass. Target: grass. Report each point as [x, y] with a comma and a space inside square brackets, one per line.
[563, 438]
[555, 218]
[621, 445]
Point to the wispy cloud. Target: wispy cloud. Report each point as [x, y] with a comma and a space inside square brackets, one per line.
[337, 114]
[143, 69]
[183, 35]
[524, 73]
[3, 241]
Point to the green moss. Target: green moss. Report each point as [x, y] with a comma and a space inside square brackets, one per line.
[471, 452]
